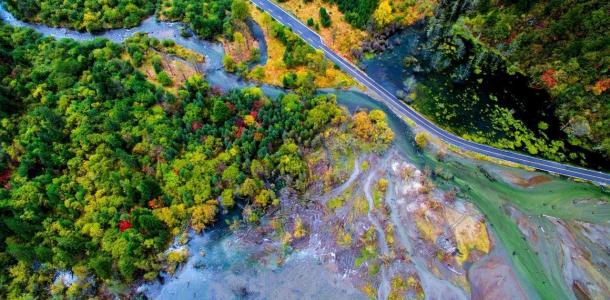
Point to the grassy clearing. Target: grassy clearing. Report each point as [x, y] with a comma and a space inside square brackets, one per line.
[470, 234]
[342, 157]
[344, 238]
[366, 254]
[361, 206]
[163, 62]
[335, 203]
[379, 190]
[340, 36]
[339, 201]
[369, 250]
[177, 69]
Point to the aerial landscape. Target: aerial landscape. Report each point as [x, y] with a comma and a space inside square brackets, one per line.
[305, 149]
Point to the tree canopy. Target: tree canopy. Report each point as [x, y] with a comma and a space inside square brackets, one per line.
[100, 168]
[559, 48]
[83, 14]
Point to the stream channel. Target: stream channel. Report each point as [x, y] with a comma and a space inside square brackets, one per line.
[220, 266]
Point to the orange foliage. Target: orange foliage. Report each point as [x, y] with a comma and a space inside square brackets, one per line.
[155, 203]
[601, 86]
[258, 136]
[363, 127]
[548, 79]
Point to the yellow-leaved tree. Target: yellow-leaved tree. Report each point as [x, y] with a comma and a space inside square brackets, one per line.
[383, 14]
[202, 215]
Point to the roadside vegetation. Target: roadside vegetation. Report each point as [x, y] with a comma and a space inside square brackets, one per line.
[292, 63]
[564, 47]
[339, 34]
[557, 49]
[347, 26]
[519, 76]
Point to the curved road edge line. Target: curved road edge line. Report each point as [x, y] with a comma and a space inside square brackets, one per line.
[276, 12]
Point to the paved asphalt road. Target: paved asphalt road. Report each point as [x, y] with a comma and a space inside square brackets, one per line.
[315, 41]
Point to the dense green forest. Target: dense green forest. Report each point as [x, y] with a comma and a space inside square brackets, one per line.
[208, 19]
[99, 168]
[489, 53]
[83, 14]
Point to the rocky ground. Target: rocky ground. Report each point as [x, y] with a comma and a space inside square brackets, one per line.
[390, 233]
[383, 230]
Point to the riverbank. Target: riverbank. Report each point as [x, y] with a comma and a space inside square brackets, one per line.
[386, 229]
[441, 225]
[459, 90]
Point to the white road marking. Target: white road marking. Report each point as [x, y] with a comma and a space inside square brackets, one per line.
[405, 110]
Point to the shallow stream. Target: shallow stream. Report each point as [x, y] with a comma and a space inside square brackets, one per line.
[221, 265]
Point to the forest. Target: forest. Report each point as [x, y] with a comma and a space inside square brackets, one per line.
[208, 19]
[84, 15]
[100, 169]
[564, 47]
[549, 47]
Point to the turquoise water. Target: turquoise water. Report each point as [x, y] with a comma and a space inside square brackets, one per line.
[234, 268]
[231, 268]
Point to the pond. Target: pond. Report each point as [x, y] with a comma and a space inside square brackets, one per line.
[464, 92]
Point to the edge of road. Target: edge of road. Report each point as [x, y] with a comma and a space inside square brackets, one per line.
[400, 108]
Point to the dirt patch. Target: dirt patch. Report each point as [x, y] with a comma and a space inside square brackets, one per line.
[178, 69]
[470, 234]
[521, 181]
[492, 278]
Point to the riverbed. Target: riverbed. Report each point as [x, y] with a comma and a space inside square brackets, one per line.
[524, 220]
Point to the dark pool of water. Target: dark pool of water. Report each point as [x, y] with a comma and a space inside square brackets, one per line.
[513, 91]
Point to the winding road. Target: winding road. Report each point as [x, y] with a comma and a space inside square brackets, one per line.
[400, 107]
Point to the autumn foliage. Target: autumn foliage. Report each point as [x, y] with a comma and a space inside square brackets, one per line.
[548, 79]
[117, 168]
[372, 128]
[124, 225]
[4, 176]
[601, 86]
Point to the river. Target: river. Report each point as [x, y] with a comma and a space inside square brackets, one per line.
[226, 265]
